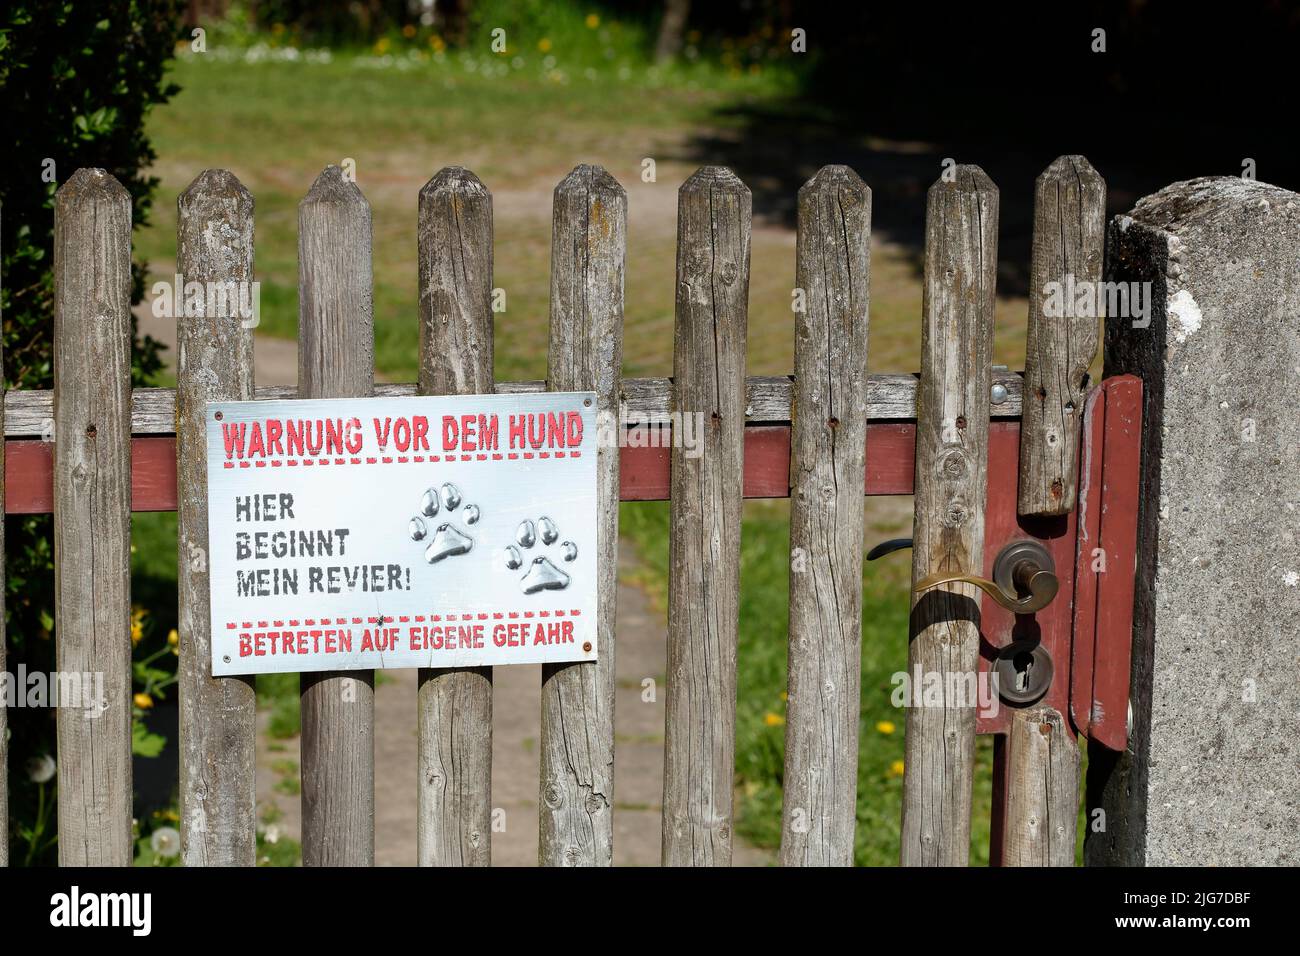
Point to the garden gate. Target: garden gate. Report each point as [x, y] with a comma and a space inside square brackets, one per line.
[995, 459]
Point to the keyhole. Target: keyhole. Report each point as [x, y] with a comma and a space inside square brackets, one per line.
[1023, 664]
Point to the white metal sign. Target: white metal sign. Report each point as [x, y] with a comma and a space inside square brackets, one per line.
[402, 532]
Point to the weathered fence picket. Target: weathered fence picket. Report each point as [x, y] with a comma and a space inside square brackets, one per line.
[1065, 267]
[952, 427]
[713, 237]
[1069, 231]
[455, 704]
[1042, 790]
[92, 512]
[827, 469]
[849, 434]
[336, 339]
[576, 783]
[214, 243]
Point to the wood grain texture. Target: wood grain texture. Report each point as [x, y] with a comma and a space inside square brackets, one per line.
[713, 243]
[454, 825]
[1069, 235]
[336, 360]
[588, 252]
[1042, 790]
[889, 397]
[948, 532]
[92, 512]
[214, 243]
[827, 472]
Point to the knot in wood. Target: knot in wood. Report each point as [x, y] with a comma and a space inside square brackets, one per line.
[728, 273]
[953, 466]
[954, 516]
[554, 796]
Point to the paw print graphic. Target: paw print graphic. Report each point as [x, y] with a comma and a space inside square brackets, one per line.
[542, 573]
[451, 536]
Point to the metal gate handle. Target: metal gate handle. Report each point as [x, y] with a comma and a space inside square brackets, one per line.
[1024, 578]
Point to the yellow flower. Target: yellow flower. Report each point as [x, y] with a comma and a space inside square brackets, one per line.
[408, 31]
[435, 41]
[143, 701]
[884, 726]
[544, 45]
[173, 639]
[773, 720]
[896, 768]
[137, 632]
[593, 21]
[381, 45]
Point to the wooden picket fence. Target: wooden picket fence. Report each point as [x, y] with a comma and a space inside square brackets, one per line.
[847, 432]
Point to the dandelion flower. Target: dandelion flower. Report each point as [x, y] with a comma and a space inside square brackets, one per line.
[773, 720]
[272, 834]
[143, 701]
[41, 769]
[592, 21]
[408, 31]
[544, 44]
[883, 726]
[166, 842]
[896, 768]
[173, 638]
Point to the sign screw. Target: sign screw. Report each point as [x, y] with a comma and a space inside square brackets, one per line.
[217, 416]
[586, 646]
[226, 658]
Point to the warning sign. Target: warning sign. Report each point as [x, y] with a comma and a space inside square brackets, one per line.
[402, 532]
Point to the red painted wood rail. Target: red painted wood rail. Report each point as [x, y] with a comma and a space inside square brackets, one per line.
[891, 450]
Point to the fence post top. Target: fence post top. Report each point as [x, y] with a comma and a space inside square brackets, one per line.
[965, 177]
[1071, 165]
[331, 186]
[836, 177]
[589, 178]
[214, 184]
[709, 178]
[455, 179]
[91, 183]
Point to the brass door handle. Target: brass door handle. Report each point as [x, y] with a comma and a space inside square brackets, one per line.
[1024, 578]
